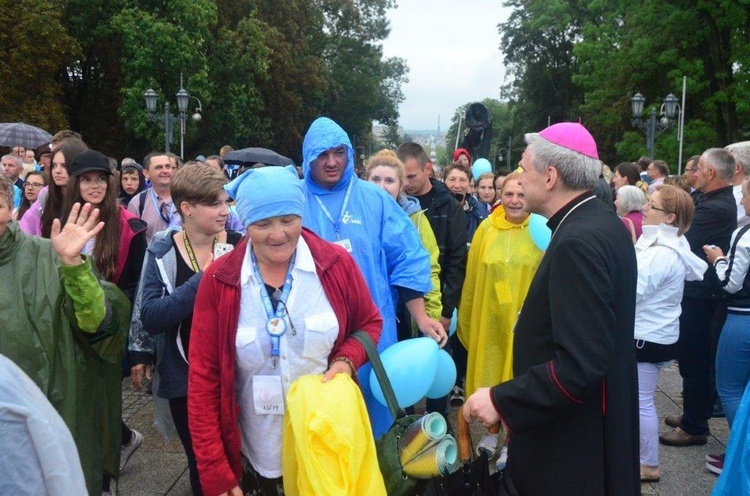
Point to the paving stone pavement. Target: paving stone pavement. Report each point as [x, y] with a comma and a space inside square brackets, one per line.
[161, 469]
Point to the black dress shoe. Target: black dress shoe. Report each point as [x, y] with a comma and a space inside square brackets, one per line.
[673, 420]
[678, 437]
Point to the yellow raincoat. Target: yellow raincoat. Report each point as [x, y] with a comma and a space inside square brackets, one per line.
[328, 448]
[502, 262]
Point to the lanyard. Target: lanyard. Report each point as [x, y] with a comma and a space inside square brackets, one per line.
[275, 326]
[191, 254]
[154, 198]
[337, 225]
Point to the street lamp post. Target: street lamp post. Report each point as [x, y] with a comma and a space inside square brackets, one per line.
[653, 127]
[500, 157]
[168, 120]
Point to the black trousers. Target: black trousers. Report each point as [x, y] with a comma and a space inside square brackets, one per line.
[178, 407]
[700, 324]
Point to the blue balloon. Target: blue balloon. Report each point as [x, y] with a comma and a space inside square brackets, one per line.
[411, 366]
[481, 166]
[454, 323]
[539, 231]
[445, 378]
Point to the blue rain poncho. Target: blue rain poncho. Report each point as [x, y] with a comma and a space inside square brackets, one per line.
[384, 242]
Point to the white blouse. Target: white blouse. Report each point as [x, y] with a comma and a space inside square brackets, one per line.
[303, 351]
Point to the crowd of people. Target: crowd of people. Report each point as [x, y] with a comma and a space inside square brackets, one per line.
[217, 289]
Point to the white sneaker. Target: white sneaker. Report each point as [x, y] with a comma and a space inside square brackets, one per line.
[488, 445]
[502, 460]
[127, 450]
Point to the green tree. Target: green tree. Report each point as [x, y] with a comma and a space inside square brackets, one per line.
[33, 42]
[236, 113]
[362, 85]
[585, 59]
[537, 43]
[161, 41]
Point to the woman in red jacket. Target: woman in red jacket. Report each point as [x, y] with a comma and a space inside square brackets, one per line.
[282, 305]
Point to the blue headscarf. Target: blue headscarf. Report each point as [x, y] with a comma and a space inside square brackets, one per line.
[267, 192]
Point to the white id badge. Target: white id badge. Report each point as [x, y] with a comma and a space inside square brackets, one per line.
[346, 244]
[268, 395]
[221, 249]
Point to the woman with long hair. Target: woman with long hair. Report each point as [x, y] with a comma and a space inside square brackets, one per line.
[35, 182]
[118, 250]
[37, 220]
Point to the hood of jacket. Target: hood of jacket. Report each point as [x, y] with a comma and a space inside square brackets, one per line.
[323, 135]
[161, 243]
[666, 235]
[498, 220]
[409, 204]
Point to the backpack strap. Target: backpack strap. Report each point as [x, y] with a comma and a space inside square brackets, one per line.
[385, 383]
[141, 202]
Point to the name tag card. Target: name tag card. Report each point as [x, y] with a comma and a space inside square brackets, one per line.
[268, 395]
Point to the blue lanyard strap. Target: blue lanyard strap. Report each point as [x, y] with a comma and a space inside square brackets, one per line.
[275, 326]
[337, 224]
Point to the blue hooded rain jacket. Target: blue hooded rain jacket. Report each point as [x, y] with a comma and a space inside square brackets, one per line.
[384, 241]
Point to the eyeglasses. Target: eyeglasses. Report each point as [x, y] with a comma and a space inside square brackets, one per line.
[651, 205]
[28, 184]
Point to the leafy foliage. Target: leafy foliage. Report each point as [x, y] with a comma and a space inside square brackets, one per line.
[262, 69]
[34, 42]
[585, 59]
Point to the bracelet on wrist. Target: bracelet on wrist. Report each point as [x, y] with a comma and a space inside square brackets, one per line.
[347, 361]
[719, 259]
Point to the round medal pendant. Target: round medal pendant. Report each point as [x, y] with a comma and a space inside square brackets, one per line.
[276, 326]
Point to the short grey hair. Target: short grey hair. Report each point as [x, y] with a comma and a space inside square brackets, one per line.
[577, 171]
[741, 153]
[13, 157]
[631, 198]
[722, 161]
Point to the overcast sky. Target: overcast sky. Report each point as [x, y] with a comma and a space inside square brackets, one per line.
[452, 50]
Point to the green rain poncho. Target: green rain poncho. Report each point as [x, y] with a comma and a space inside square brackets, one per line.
[502, 262]
[67, 331]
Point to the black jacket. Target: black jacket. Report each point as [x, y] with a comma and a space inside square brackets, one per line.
[448, 222]
[572, 407]
[714, 220]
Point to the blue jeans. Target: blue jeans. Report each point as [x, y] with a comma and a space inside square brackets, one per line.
[733, 363]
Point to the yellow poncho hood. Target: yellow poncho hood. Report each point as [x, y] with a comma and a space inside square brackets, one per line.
[502, 262]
